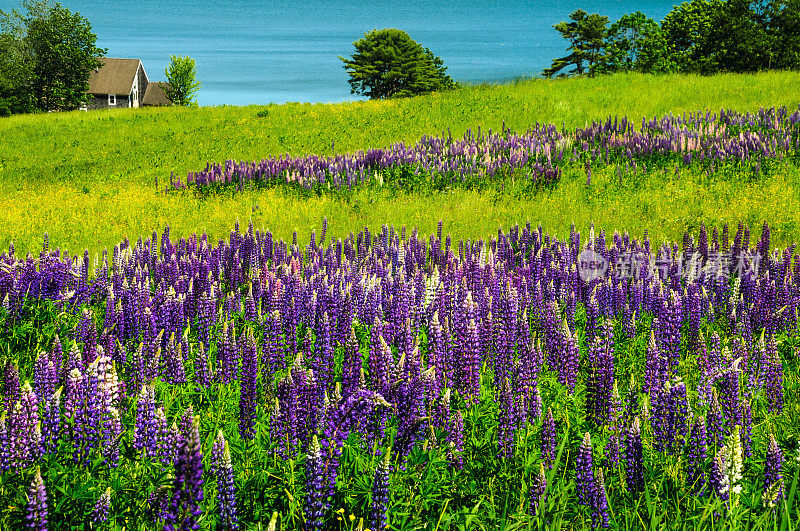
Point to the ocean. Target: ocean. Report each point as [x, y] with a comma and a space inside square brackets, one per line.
[260, 52]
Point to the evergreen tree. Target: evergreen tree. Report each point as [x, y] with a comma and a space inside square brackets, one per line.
[586, 34]
[388, 63]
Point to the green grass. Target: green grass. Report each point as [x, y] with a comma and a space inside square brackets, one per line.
[99, 149]
[89, 178]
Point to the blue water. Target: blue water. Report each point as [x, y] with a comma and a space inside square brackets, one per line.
[277, 51]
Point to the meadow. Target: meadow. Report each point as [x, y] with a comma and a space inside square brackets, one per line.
[104, 166]
[613, 345]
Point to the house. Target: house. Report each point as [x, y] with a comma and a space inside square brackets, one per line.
[155, 94]
[122, 83]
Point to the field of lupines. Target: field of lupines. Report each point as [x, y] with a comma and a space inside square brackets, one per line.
[402, 380]
[709, 140]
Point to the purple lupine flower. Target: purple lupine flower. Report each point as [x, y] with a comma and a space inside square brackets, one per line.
[380, 493]
[86, 428]
[6, 462]
[455, 440]
[590, 484]
[747, 427]
[202, 376]
[634, 458]
[600, 516]
[568, 369]
[145, 430]
[537, 492]
[167, 438]
[772, 376]
[695, 453]
[226, 488]
[11, 385]
[249, 392]
[102, 507]
[584, 472]
[25, 429]
[505, 421]
[655, 366]
[772, 491]
[316, 490]
[187, 493]
[36, 518]
[351, 364]
[273, 347]
[323, 360]
[250, 310]
[227, 366]
[730, 398]
[615, 426]
[378, 371]
[45, 376]
[668, 419]
[715, 426]
[473, 361]
[158, 503]
[172, 368]
[440, 410]
[547, 439]
[600, 381]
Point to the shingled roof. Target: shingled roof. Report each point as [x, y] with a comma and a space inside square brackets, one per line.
[155, 95]
[114, 77]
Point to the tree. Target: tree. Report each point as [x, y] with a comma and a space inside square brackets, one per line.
[65, 51]
[46, 56]
[586, 34]
[784, 24]
[636, 42]
[388, 63]
[688, 29]
[182, 84]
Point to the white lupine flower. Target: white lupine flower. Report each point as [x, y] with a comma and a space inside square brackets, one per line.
[732, 463]
[431, 285]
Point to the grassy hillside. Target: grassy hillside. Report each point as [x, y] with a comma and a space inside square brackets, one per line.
[89, 178]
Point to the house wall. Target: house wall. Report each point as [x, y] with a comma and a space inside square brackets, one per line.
[100, 101]
[142, 82]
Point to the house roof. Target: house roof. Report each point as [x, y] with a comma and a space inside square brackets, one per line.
[155, 95]
[114, 77]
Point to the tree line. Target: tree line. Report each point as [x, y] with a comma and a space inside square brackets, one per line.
[699, 36]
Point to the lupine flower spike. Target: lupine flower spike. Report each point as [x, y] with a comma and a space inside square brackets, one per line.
[36, 518]
[537, 492]
[226, 488]
[380, 493]
[772, 491]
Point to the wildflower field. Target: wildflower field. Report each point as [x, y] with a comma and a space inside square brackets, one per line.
[505, 374]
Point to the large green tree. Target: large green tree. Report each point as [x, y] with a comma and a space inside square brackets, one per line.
[586, 34]
[636, 43]
[182, 84]
[689, 29]
[784, 26]
[388, 63]
[46, 55]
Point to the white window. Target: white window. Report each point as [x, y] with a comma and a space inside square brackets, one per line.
[112, 99]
